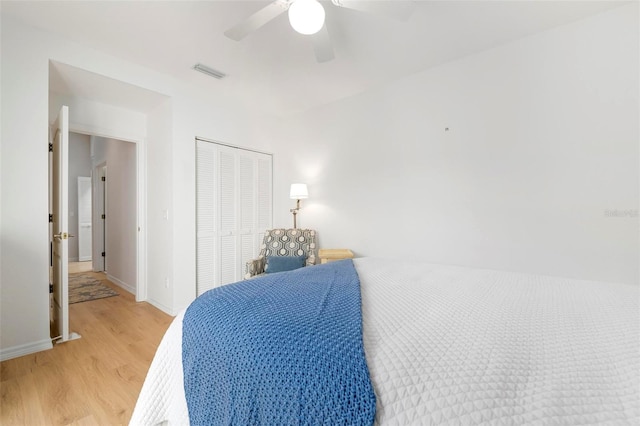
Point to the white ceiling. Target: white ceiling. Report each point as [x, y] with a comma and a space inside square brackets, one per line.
[275, 67]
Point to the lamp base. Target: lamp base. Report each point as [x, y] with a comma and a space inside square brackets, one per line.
[295, 212]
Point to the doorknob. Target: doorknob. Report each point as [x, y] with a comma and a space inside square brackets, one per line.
[63, 236]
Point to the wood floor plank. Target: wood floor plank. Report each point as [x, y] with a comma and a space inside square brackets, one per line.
[12, 406]
[113, 406]
[93, 380]
[60, 397]
[86, 421]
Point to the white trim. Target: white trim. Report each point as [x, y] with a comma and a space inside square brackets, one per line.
[104, 133]
[98, 205]
[128, 287]
[199, 138]
[141, 204]
[167, 310]
[26, 349]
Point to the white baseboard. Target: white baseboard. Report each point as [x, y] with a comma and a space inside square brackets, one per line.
[128, 287]
[167, 310]
[26, 349]
[131, 289]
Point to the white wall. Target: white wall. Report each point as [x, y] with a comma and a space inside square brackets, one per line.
[213, 113]
[542, 143]
[160, 170]
[79, 166]
[121, 213]
[24, 269]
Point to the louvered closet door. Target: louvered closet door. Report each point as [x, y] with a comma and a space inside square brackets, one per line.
[233, 211]
[228, 234]
[247, 207]
[206, 195]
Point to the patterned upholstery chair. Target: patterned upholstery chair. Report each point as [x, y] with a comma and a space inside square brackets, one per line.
[283, 242]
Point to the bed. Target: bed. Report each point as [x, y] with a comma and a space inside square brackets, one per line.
[455, 345]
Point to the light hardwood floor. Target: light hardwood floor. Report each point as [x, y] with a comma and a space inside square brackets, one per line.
[92, 380]
[80, 267]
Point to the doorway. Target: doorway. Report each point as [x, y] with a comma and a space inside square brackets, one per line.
[108, 108]
[113, 207]
[100, 216]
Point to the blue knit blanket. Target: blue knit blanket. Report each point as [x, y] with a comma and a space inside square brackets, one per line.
[282, 349]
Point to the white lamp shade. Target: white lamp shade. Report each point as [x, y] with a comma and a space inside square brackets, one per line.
[298, 191]
[306, 16]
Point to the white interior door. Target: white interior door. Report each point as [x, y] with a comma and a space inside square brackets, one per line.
[84, 219]
[60, 223]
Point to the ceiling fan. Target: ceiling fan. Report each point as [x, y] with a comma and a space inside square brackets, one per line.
[307, 17]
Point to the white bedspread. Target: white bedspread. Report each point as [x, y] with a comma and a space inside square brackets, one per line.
[453, 345]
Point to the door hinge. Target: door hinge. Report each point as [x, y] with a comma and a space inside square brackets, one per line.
[104, 216]
[50, 288]
[50, 218]
[50, 147]
[103, 178]
[104, 253]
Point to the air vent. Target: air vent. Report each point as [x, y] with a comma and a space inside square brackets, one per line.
[209, 71]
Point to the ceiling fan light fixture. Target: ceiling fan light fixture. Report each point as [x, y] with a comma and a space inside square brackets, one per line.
[306, 16]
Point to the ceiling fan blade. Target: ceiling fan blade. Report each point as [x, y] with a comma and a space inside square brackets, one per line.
[322, 45]
[397, 9]
[258, 19]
